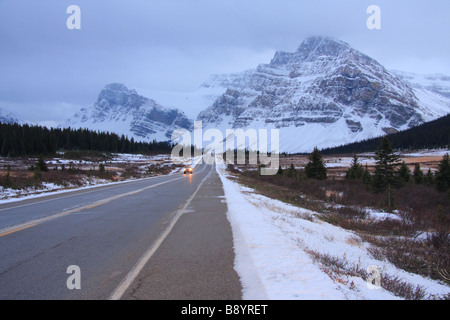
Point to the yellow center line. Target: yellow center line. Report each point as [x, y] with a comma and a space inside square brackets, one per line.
[23, 226]
[16, 230]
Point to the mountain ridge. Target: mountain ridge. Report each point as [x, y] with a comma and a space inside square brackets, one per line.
[122, 110]
[325, 93]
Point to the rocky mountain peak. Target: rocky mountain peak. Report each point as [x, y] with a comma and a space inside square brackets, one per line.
[325, 93]
[117, 94]
[124, 111]
[312, 50]
[7, 117]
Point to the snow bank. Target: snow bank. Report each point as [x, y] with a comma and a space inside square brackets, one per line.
[272, 240]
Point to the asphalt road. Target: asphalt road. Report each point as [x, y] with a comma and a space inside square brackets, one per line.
[165, 237]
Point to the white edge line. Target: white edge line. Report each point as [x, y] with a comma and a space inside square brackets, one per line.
[38, 221]
[131, 276]
[101, 187]
[35, 222]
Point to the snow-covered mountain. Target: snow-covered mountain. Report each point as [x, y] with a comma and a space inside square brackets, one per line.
[8, 117]
[123, 111]
[437, 83]
[432, 90]
[324, 94]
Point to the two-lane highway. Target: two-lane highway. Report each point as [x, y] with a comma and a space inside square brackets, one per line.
[110, 233]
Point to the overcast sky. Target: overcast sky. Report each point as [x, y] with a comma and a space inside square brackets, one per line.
[47, 71]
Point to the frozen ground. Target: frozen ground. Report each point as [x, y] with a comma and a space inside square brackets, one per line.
[11, 195]
[273, 244]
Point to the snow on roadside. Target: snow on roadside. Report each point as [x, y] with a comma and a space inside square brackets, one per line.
[272, 240]
[8, 195]
[48, 189]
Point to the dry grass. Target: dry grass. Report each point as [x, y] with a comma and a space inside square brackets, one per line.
[78, 169]
[423, 210]
[339, 270]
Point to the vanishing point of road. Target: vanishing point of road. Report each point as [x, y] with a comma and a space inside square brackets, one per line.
[161, 238]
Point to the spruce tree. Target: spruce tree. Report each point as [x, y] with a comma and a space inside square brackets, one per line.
[8, 183]
[356, 171]
[280, 171]
[291, 172]
[404, 174]
[367, 178]
[429, 178]
[41, 165]
[390, 198]
[316, 168]
[386, 161]
[443, 175]
[418, 174]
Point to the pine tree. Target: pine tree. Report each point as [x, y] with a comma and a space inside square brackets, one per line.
[404, 174]
[443, 175]
[386, 160]
[316, 168]
[429, 178]
[367, 178]
[8, 183]
[280, 171]
[291, 172]
[418, 174]
[356, 171]
[390, 198]
[41, 165]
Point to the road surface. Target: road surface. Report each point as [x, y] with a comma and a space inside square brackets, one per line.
[166, 237]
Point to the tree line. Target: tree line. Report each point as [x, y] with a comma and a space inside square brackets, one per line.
[391, 173]
[26, 140]
[433, 134]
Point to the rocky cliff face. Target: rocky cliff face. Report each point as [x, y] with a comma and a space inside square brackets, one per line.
[123, 111]
[325, 93]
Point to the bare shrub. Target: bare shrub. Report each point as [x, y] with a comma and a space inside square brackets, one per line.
[336, 265]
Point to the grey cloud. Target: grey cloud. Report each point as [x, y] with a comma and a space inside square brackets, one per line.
[176, 44]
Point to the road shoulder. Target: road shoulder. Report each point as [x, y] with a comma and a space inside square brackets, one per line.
[196, 260]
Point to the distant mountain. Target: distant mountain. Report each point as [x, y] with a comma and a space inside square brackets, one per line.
[437, 83]
[432, 91]
[230, 80]
[324, 94]
[123, 111]
[7, 117]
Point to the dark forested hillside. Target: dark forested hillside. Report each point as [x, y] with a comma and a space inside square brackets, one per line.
[433, 134]
[23, 140]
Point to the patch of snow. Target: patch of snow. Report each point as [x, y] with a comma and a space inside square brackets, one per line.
[381, 215]
[272, 240]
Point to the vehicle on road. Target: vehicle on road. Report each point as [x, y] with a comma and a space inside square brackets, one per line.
[188, 170]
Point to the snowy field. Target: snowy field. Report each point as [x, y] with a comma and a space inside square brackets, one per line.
[142, 161]
[274, 243]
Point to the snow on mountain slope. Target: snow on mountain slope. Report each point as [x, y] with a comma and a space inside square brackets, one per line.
[7, 117]
[437, 83]
[191, 102]
[324, 94]
[432, 91]
[124, 111]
